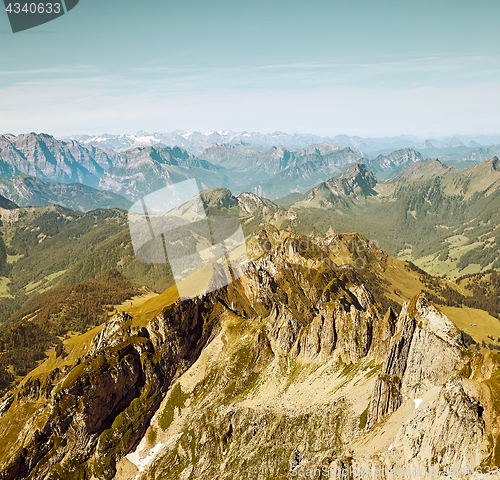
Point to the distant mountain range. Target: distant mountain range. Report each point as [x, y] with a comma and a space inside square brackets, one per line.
[143, 170]
[52, 160]
[466, 157]
[31, 191]
[197, 142]
[273, 172]
[385, 166]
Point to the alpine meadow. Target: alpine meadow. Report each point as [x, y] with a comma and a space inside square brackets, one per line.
[222, 295]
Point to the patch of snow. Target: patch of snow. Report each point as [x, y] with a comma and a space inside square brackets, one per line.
[390, 447]
[141, 464]
[417, 401]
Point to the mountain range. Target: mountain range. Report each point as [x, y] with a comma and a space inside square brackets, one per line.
[327, 352]
[31, 191]
[420, 214]
[197, 142]
[268, 171]
[143, 170]
[304, 362]
[52, 160]
[444, 220]
[275, 172]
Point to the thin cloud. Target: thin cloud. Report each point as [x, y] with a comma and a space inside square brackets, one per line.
[66, 109]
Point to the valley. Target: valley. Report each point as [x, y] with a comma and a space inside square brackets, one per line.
[250, 240]
[324, 353]
[294, 357]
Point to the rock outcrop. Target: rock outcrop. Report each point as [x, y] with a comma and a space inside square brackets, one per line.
[91, 414]
[293, 366]
[425, 351]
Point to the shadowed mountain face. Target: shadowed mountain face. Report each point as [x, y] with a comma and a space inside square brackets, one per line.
[6, 203]
[300, 363]
[31, 191]
[42, 156]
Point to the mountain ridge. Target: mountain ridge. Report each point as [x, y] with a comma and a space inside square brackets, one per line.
[292, 350]
[31, 191]
[52, 160]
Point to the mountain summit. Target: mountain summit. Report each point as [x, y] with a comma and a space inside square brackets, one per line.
[385, 166]
[355, 180]
[426, 145]
[296, 365]
[350, 185]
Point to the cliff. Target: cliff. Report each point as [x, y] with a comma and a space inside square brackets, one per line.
[296, 365]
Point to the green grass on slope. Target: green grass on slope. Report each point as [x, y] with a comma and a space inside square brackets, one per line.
[424, 216]
[53, 246]
[480, 325]
[38, 325]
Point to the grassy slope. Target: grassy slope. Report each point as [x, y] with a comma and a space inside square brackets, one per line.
[447, 224]
[465, 317]
[53, 246]
[46, 318]
[393, 278]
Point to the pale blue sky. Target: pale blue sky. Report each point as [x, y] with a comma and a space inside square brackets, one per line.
[358, 67]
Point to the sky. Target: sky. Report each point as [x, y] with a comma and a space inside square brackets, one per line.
[328, 67]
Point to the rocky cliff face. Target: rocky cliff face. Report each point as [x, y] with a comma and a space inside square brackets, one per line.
[426, 350]
[294, 366]
[355, 180]
[143, 170]
[386, 166]
[85, 414]
[43, 156]
[355, 183]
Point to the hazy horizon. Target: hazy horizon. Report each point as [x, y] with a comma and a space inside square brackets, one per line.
[362, 68]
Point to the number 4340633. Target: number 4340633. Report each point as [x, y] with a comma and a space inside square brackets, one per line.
[33, 8]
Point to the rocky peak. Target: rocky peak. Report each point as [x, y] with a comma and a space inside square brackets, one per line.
[279, 152]
[432, 320]
[285, 356]
[454, 143]
[423, 334]
[426, 145]
[323, 148]
[355, 180]
[113, 332]
[495, 163]
[250, 202]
